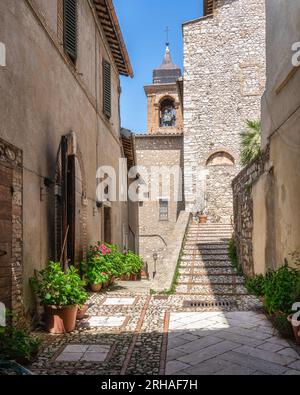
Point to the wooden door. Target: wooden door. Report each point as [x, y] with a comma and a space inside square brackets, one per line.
[107, 225]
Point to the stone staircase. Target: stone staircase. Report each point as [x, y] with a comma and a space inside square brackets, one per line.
[205, 269]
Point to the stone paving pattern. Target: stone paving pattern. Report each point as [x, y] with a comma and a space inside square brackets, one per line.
[141, 334]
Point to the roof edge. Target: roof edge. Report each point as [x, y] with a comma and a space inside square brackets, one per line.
[119, 34]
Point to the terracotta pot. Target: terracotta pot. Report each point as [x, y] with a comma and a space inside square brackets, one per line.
[133, 277]
[61, 319]
[202, 219]
[296, 328]
[82, 312]
[96, 287]
[112, 281]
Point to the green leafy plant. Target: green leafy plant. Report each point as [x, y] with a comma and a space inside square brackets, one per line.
[117, 260]
[282, 289]
[256, 285]
[251, 142]
[281, 323]
[232, 253]
[106, 258]
[133, 263]
[95, 272]
[56, 288]
[18, 345]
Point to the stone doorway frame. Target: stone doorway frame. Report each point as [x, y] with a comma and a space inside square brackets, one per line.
[11, 157]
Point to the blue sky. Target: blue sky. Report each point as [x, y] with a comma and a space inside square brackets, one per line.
[143, 24]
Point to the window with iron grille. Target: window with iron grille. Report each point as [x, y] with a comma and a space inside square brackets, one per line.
[70, 28]
[163, 210]
[107, 88]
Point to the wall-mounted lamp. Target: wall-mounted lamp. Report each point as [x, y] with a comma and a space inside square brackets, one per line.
[155, 257]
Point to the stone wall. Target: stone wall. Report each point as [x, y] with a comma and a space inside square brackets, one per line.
[11, 227]
[154, 234]
[243, 210]
[224, 61]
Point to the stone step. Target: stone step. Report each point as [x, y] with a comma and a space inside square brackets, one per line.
[206, 251]
[205, 257]
[197, 279]
[212, 266]
[205, 237]
[199, 260]
[210, 234]
[216, 271]
[210, 226]
[200, 251]
[209, 244]
[218, 290]
[210, 231]
[212, 241]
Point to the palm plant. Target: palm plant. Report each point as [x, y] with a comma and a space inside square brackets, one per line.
[251, 142]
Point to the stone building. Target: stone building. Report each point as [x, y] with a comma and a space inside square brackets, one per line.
[60, 121]
[224, 78]
[271, 233]
[161, 149]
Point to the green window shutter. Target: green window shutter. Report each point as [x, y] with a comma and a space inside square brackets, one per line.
[70, 28]
[107, 88]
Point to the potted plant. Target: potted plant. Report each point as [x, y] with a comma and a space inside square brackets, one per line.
[81, 313]
[61, 294]
[96, 278]
[133, 265]
[202, 216]
[295, 323]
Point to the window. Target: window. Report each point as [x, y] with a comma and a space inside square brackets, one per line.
[107, 88]
[208, 6]
[163, 210]
[70, 28]
[167, 113]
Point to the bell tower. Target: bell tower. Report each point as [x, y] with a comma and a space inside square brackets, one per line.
[164, 106]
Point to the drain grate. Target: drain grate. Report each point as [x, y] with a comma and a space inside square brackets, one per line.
[203, 303]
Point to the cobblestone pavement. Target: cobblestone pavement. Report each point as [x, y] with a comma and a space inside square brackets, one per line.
[209, 326]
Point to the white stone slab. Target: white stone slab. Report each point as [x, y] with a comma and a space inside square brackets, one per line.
[119, 302]
[94, 357]
[104, 322]
[69, 357]
[76, 348]
[84, 352]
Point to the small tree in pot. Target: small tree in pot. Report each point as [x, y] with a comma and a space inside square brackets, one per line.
[61, 294]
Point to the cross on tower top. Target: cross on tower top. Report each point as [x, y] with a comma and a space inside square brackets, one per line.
[167, 35]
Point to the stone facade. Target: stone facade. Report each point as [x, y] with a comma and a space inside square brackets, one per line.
[155, 95]
[46, 97]
[242, 186]
[155, 234]
[224, 78]
[276, 208]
